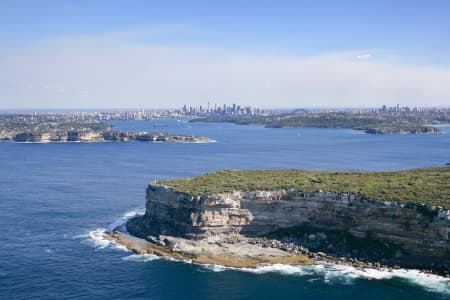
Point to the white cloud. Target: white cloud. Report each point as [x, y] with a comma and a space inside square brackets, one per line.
[364, 56]
[112, 71]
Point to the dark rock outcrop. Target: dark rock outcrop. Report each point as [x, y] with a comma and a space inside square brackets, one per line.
[409, 234]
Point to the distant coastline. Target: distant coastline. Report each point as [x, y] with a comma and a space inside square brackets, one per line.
[100, 136]
[371, 123]
[62, 128]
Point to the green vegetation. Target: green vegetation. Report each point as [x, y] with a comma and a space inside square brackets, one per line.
[371, 123]
[428, 186]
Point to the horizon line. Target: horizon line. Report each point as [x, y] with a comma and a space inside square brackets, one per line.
[108, 109]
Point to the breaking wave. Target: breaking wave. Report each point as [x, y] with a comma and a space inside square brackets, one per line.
[98, 237]
[141, 257]
[333, 273]
[327, 272]
[120, 222]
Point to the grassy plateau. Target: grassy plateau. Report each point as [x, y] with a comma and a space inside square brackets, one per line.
[425, 186]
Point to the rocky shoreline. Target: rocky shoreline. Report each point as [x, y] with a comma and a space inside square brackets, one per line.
[249, 229]
[99, 136]
[236, 252]
[240, 252]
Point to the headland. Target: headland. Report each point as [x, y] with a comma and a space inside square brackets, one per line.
[47, 128]
[403, 122]
[251, 218]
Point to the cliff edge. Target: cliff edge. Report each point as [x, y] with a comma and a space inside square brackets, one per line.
[279, 224]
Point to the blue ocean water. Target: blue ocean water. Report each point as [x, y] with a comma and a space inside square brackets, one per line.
[55, 198]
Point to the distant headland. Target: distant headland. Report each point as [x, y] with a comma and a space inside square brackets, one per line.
[47, 128]
[91, 126]
[382, 121]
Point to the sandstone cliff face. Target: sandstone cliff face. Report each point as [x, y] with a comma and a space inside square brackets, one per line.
[420, 232]
[99, 136]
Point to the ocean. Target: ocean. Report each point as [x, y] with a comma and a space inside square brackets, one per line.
[56, 199]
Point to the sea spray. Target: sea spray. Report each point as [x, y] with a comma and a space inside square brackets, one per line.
[333, 273]
[329, 273]
[98, 237]
[141, 257]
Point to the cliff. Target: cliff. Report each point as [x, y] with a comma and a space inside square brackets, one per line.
[99, 136]
[341, 225]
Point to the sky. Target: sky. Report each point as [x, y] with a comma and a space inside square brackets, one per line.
[273, 54]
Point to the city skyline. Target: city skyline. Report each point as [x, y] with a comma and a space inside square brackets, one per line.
[285, 55]
[218, 109]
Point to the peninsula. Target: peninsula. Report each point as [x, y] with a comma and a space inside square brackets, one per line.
[392, 122]
[74, 128]
[99, 136]
[249, 218]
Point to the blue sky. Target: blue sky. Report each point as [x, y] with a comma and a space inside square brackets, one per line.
[274, 49]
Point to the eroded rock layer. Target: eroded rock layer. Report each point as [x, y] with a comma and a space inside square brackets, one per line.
[99, 136]
[409, 234]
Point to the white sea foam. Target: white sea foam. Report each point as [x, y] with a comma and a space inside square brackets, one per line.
[217, 268]
[200, 142]
[141, 257]
[342, 274]
[98, 236]
[327, 272]
[120, 222]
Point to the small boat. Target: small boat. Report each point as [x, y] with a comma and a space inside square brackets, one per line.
[160, 125]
